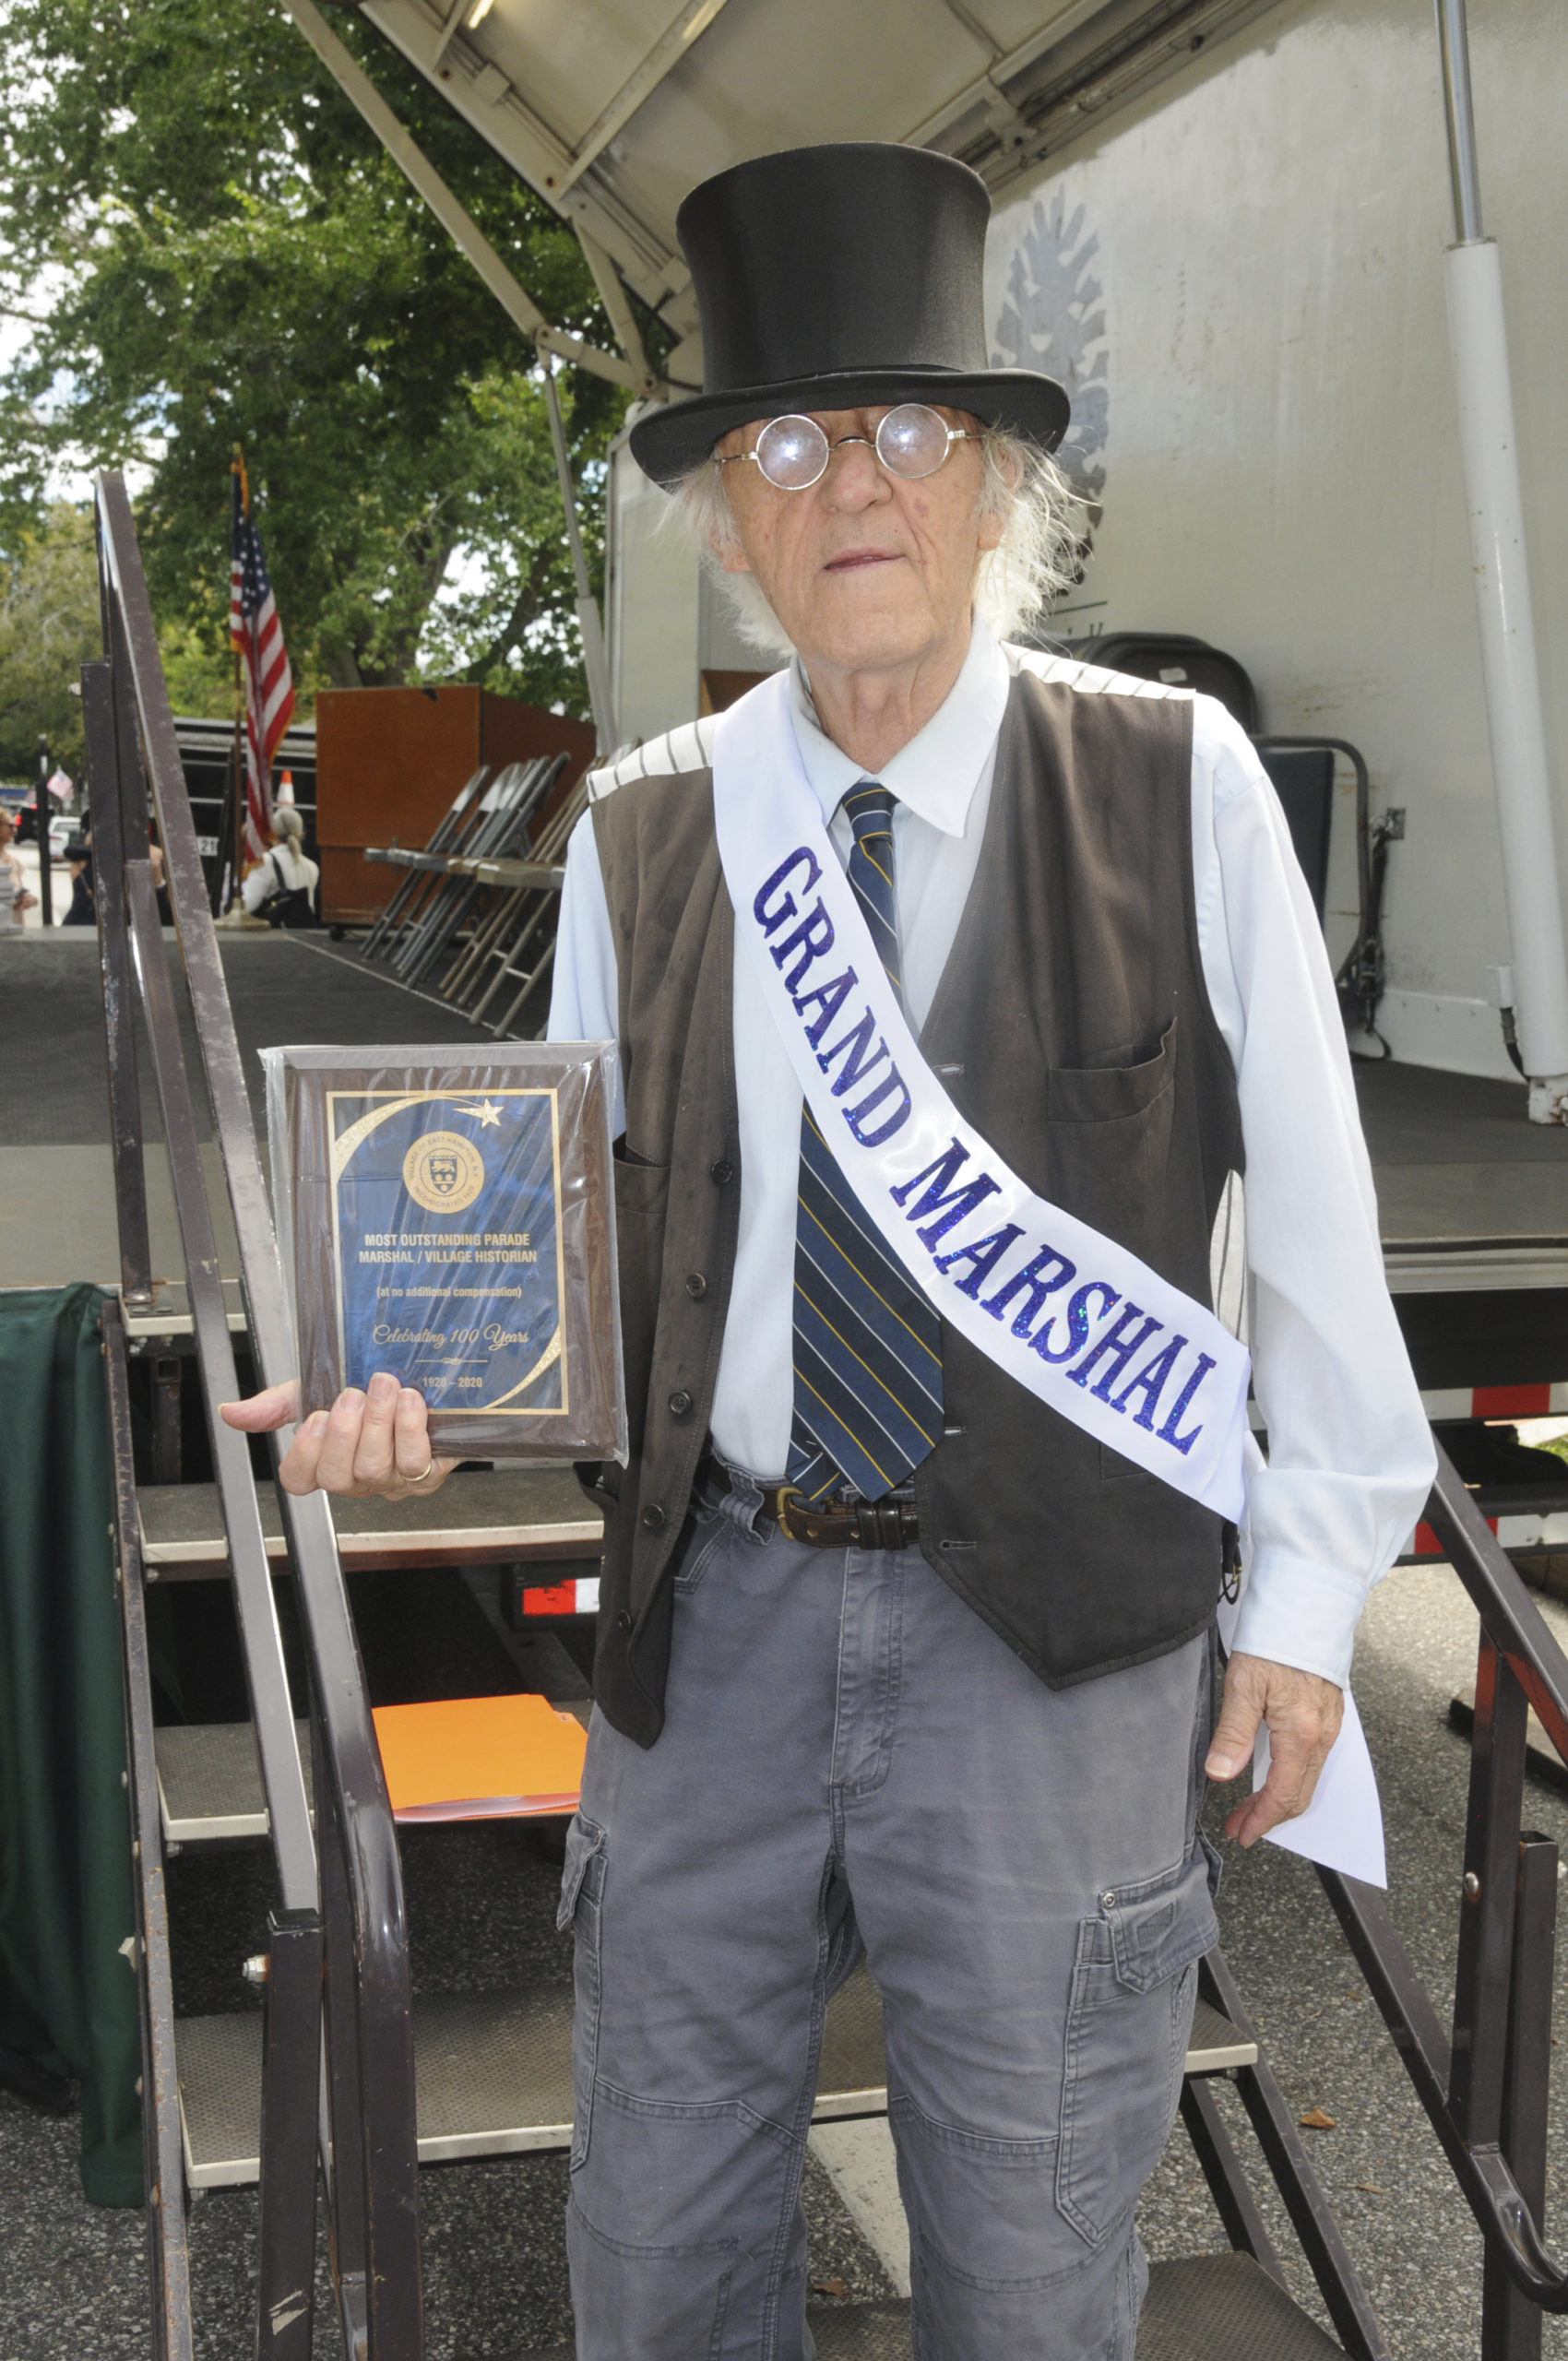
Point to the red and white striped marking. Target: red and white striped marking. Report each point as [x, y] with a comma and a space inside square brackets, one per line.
[1498, 1402]
[579, 1596]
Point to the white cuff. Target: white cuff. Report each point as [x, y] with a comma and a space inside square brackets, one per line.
[1299, 1613]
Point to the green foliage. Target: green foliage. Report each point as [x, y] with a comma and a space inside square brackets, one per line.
[49, 625]
[225, 255]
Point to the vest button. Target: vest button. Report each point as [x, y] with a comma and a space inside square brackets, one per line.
[680, 1403]
[623, 1620]
[653, 1516]
[723, 1172]
[696, 1285]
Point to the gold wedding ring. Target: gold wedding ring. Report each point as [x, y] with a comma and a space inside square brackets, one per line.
[424, 1471]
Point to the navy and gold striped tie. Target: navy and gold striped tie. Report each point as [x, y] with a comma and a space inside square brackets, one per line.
[868, 1344]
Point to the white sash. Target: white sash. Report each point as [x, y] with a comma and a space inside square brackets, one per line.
[1076, 1318]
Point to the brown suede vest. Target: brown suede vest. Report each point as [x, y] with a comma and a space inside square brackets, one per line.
[1072, 1027]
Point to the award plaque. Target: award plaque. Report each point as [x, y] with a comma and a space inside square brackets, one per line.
[451, 1221]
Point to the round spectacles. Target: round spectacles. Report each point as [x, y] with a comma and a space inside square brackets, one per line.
[912, 440]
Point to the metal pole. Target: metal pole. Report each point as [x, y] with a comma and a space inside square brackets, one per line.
[1478, 337]
[1511, 2324]
[455, 218]
[46, 881]
[105, 808]
[594, 664]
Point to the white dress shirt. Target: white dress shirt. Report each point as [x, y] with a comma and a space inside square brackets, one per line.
[1350, 1459]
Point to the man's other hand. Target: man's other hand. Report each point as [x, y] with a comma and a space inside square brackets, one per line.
[378, 1441]
[1303, 1714]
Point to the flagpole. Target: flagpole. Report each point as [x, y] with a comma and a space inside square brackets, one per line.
[236, 826]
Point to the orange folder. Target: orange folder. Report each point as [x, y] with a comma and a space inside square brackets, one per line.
[480, 1758]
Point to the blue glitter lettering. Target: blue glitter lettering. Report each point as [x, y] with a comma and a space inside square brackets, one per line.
[960, 1203]
[985, 1254]
[811, 939]
[1118, 1346]
[770, 920]
[1150, 1382]
[831, 998]
[856, 1065]
[1167, 1433]
[1078, 1317]
[1038, 1288]
[855, 1116]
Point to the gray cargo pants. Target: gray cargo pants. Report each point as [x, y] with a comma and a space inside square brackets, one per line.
[853, 1764]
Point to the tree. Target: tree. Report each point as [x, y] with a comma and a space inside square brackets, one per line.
[49, 625]
[227, 256]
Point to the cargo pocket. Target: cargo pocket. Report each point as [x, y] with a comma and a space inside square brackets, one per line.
[1128, 2022]
[582, 1899]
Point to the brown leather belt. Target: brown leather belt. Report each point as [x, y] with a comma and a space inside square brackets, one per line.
[831, 1523]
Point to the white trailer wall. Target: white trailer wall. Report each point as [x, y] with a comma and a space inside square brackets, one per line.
[666, 624]
[1242, 279]
[1246, 274]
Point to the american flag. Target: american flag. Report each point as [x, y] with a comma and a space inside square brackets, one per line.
[258, 637]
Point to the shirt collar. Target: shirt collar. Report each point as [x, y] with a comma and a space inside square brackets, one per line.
[938, 773]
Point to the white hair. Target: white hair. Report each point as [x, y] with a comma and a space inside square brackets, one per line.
[1039, 556]
[286, 822]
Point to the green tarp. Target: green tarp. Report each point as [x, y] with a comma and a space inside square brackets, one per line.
[67, 1989]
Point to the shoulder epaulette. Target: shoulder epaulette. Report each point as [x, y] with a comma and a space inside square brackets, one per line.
[690, 748]
[1089, 680]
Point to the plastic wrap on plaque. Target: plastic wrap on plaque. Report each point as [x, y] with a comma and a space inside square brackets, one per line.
[450, 1217]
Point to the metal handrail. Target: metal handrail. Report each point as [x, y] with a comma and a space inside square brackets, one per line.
[168, 2251]
[1485, 2090]
[353, 1810]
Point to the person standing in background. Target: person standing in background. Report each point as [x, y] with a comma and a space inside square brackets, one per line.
[14, 896]
[281, 888]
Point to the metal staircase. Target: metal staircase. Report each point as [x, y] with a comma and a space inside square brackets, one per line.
[346, 2084]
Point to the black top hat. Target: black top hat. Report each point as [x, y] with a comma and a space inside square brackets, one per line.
[832, 278]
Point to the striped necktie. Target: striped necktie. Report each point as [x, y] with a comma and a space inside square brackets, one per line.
[867, 1344]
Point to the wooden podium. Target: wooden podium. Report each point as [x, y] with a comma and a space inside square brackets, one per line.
[389, 762]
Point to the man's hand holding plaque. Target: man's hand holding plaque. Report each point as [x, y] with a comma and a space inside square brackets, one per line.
[376, 1441]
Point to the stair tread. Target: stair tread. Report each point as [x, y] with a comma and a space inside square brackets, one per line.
[500, 1513]
[1198, 2308]
[1209, 2304]
[493, 2074]
[209, 1786]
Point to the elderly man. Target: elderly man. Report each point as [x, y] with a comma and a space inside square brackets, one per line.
[909, 1585]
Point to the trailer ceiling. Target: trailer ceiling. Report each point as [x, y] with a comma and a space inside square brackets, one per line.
[613, 109]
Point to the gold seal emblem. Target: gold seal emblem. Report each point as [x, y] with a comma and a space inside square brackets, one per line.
[443, 1172]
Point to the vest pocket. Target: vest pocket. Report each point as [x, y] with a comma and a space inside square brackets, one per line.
[1110, 1132]
[1129, 2017]
[639, 1185]
[1110, 1094]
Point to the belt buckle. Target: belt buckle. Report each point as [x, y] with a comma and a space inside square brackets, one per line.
[815, 1521]
[784, 1499]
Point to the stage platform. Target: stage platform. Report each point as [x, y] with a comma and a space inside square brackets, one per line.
[1471, 1195]
[56, 1188]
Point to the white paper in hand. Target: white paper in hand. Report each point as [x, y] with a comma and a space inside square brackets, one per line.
[1342, 1827]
